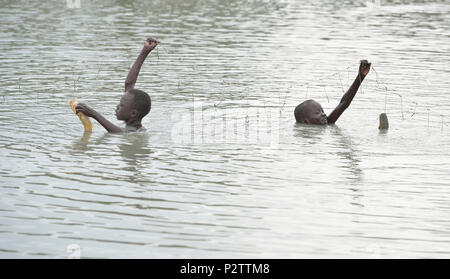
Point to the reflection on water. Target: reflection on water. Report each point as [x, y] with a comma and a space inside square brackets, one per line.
[344, 190]
[310, 134]
[81, 145]
[348, 152]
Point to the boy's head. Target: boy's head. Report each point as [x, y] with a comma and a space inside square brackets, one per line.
[133, 104]
[310, 112]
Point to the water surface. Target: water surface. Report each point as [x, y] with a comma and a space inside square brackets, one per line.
[291, 191]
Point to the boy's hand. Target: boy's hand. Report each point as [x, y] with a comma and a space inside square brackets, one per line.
[364, 67]
[150, 43]
[85, 109]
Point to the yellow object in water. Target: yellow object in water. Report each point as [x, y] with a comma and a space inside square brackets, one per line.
[84, 119]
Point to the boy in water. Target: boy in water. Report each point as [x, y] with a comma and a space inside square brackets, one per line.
[134, 104]
[311, 112]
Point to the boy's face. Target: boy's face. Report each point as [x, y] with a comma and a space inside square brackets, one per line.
[125, 109]
[315, 114]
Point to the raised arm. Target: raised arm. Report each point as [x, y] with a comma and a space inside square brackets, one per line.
[150, 44]
[364, 68]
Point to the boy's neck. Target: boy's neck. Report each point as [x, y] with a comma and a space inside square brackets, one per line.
[134, 123]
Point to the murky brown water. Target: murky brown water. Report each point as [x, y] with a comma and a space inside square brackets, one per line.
[253, 187]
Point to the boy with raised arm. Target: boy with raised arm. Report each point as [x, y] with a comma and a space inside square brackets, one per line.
[311, 112]
[134, 104]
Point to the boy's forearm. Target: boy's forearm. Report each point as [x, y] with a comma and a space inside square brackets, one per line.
[110, 127]
[346, 100]
[135, 69]
[351, 92]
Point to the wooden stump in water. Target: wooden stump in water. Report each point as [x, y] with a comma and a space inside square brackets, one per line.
[384, 123]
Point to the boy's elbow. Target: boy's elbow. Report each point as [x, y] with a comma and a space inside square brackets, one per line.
[127, 85]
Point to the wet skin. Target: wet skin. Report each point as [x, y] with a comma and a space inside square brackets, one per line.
[124, 110]
[315, 114]
[314, 111]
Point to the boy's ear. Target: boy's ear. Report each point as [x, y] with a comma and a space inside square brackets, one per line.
[134, 113]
